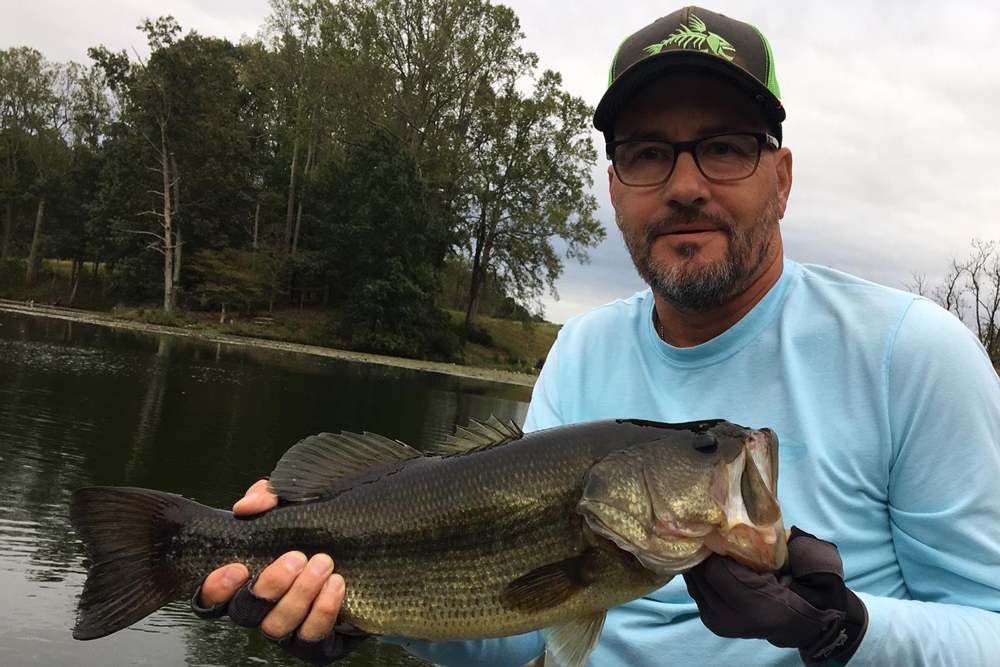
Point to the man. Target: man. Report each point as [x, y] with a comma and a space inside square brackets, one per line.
[887, 408]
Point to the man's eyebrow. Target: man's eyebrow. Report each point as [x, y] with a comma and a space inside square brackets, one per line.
[708, 130]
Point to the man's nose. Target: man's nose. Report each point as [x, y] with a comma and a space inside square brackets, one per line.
[687, 185]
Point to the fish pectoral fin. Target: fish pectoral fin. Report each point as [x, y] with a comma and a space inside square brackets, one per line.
[570, 643]
[320, 463]
[550, 585]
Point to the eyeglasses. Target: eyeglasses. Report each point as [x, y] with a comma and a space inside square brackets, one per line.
[721, 158]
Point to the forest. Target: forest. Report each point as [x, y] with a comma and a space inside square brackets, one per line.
[383, 161]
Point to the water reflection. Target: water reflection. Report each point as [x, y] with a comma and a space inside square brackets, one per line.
[81, 405]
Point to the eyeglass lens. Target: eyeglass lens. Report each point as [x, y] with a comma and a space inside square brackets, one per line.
[724, 158]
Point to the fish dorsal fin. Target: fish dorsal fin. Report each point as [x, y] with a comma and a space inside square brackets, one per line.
[571, 642]
[479, 436]
[321, 462]
[551, 584]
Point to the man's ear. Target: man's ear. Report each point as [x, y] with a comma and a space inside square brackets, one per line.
[783, 169]
[611, 191]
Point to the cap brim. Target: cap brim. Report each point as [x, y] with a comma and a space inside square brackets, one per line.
[649, 69]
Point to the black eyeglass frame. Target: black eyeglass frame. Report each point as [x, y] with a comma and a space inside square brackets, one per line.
[763, 140]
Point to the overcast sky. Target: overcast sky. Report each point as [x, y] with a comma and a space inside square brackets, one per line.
[892, 114]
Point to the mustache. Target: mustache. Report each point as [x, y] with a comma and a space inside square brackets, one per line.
[689, 217]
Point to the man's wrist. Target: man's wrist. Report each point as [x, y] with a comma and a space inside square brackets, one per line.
[839, 643]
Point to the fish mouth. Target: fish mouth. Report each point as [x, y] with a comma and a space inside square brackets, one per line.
[746, 488]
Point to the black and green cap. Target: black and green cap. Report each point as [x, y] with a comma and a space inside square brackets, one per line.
[692, 38]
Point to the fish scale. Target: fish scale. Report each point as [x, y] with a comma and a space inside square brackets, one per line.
[511, 533]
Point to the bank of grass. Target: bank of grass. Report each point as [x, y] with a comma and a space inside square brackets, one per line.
[53, 285]
[505, 345]
[493, 343]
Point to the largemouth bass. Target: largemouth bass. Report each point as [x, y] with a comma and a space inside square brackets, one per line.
[501, 534]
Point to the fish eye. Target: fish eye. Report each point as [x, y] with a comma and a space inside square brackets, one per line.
[705, 442]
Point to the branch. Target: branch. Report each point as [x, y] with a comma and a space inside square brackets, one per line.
[140, 231]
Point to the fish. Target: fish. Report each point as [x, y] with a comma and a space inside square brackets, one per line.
[493, 533]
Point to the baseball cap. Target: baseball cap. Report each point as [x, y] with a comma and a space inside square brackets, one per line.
[692, 38]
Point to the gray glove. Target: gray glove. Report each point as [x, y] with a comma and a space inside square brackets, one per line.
[809, 608]
[248, 610]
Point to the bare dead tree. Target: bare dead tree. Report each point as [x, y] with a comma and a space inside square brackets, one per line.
[971, 290]
[919, 284]
[951, 294]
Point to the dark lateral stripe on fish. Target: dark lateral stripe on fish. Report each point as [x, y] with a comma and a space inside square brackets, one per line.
[128, 534]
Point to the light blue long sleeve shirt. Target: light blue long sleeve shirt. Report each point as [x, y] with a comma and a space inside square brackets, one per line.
[888, 414]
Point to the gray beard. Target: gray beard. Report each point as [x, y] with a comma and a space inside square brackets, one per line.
[691, 289]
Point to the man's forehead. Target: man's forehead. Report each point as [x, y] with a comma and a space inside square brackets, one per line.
[689, 103]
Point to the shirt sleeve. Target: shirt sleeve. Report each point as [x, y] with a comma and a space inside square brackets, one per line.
[944, 499]
[543, 411]
[503, 652]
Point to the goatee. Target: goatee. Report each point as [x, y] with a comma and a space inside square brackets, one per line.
[688, 286]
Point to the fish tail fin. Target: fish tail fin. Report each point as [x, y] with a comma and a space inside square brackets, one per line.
[128, 534]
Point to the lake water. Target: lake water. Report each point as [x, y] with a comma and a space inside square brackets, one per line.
[82, 404]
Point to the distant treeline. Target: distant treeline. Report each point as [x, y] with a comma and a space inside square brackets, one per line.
[384, 157]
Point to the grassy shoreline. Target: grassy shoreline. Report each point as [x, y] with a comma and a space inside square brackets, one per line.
[201, 331]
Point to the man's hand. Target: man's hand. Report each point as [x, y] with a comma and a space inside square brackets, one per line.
[294, 601]
[809, 608]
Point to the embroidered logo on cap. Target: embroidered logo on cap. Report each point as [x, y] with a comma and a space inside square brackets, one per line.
[696, 36]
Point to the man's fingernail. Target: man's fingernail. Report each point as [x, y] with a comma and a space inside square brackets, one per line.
[295, 562]
[334, 584]
[233, 578]
[321, 564]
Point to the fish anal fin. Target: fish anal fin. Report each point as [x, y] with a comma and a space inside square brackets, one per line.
[319, 464]
[551, 584]
[570, 643]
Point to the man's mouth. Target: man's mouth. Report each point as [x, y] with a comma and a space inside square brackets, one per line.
[681, 232]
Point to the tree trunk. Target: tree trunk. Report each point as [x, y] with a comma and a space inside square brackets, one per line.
[168, 248]
[298, 225]
[476, 285]
[256, 243]
[256, 228]
[175, 181]
[76, 283]
[178, 250]
[93, 275]
[8, 225]
[290, 211]
[32, 272]
[480, 261]
[310, 158]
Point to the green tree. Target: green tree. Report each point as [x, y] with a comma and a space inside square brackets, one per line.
[529, 186]
[381, 233]
[418, 72]
[26, 109]
[302, 75]
[181, 120]
[232, 278]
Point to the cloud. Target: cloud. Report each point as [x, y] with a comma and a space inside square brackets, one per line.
[891, 119]
[64, 29]
[891, 114]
